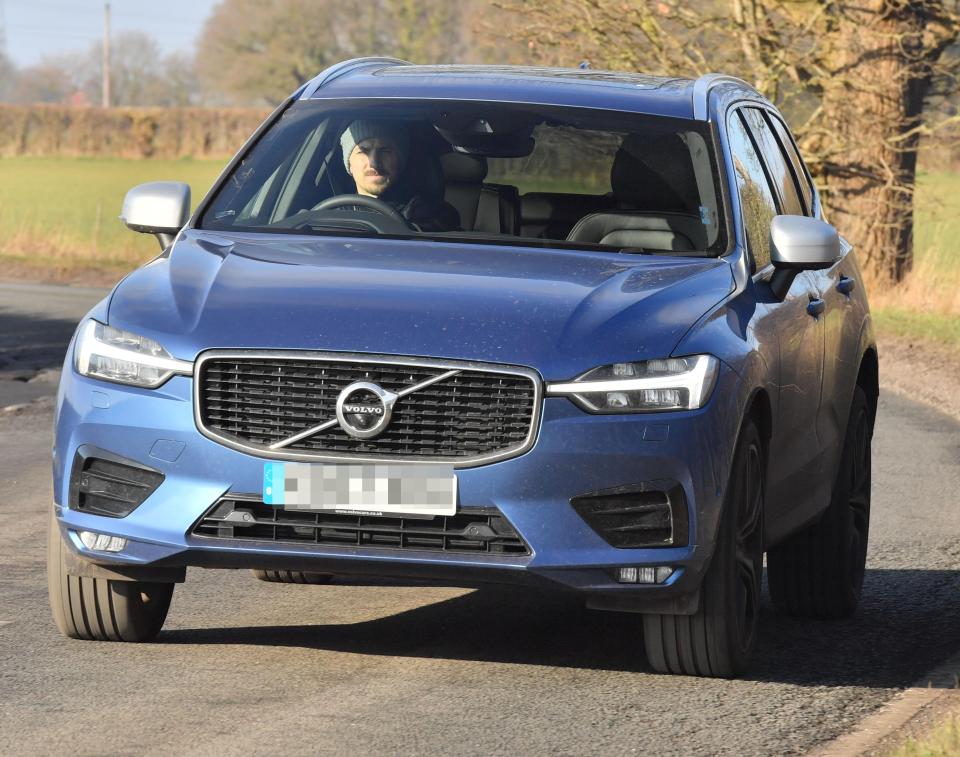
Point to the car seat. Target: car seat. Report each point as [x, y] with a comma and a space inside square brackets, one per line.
[493, 208]
[656, 196]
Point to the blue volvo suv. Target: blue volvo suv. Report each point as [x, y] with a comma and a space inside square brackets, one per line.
[562, 328]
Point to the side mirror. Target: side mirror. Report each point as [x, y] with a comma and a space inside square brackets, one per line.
[799, 243]
[159, 207]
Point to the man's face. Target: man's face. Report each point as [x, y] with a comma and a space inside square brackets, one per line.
[375, 166]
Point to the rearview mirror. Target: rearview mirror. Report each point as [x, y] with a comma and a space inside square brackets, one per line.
[799, 243]
[159, 207]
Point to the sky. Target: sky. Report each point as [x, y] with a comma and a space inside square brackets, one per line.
[37, 28]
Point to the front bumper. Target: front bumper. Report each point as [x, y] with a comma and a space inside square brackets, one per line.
[575, 453]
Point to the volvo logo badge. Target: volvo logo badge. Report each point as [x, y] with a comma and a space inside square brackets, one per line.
[364, 409]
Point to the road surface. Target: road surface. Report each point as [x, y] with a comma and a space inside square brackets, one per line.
[247, 667]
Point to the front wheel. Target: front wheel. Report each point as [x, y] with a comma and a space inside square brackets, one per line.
[718, 639]
[100, 608]
[818, 572]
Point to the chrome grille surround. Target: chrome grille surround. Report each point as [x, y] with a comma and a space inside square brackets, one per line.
[360, 359]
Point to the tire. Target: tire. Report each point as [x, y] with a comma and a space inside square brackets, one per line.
[718, 639]
[100, 608]
[818, 572]
[292, 577]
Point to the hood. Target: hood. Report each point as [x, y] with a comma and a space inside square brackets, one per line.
[560, 312]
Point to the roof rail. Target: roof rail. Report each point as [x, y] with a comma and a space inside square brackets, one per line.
[701, 92]
[344, 67]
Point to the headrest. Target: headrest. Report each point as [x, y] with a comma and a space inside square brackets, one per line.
[467, 169]
[422, 176]
[654, 172]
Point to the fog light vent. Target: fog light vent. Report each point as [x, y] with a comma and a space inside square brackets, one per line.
[106, 484]
[649, 514]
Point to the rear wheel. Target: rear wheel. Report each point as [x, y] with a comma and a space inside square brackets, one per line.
[718, 639]
[292, 577]
[100, 608]
[818, 572]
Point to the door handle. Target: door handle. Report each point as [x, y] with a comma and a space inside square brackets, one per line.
[846, 285]
[816, 307]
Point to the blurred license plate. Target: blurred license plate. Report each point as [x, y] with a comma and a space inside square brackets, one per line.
[424, 490]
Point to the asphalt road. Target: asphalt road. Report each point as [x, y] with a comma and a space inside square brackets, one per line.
[247, 667]
[36, 322]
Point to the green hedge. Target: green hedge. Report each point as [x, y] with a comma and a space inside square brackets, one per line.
[125, 132]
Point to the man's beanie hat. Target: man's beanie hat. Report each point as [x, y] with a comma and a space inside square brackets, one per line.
[361, 130]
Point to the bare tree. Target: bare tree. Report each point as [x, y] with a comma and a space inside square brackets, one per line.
[51, 80]
[852, 77]
[255, 51]
[139, 75]
[421, 30]
[8, 76]
[883, 65]
[135, 68]
[178, 85]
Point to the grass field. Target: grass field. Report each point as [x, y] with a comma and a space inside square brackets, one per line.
[943, 741]
[927, 304]
[61, 213]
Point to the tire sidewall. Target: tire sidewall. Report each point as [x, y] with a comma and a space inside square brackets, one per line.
[719, 591]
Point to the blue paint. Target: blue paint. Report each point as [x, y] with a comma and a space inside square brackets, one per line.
[273, 483]
[559, 312]
[167, 449]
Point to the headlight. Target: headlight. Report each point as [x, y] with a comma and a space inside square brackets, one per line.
[676, 383]
[112, 354]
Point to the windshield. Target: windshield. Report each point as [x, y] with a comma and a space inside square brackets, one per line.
[480, 172]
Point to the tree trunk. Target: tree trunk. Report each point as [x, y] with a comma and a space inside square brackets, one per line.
[872, 109]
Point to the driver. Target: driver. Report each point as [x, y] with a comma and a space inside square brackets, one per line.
[375, 155]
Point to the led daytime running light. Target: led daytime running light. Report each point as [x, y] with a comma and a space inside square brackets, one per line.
[91, 346]
[697, 382]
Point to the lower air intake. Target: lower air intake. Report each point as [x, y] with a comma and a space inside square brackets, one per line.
[649, 514]
[481, 530]
[106, 484]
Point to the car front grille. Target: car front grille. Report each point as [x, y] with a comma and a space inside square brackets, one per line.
[252, 401]
[480, 530]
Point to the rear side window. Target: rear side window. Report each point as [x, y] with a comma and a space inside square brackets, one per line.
[799, 169]
[756, 196]
[781, 174]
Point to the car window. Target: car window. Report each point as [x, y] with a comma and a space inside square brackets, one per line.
[757, 203]
[477, 172]
[799, 169]
[563, 160]
[781, 174]
[254, 208]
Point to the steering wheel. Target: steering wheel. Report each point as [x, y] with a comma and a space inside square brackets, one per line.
[363, 201]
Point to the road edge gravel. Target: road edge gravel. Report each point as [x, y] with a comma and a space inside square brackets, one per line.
[927, 373]
[921, 371]
[888, 727]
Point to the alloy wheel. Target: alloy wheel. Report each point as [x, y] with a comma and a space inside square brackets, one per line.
[858, 504]
[749, 546]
